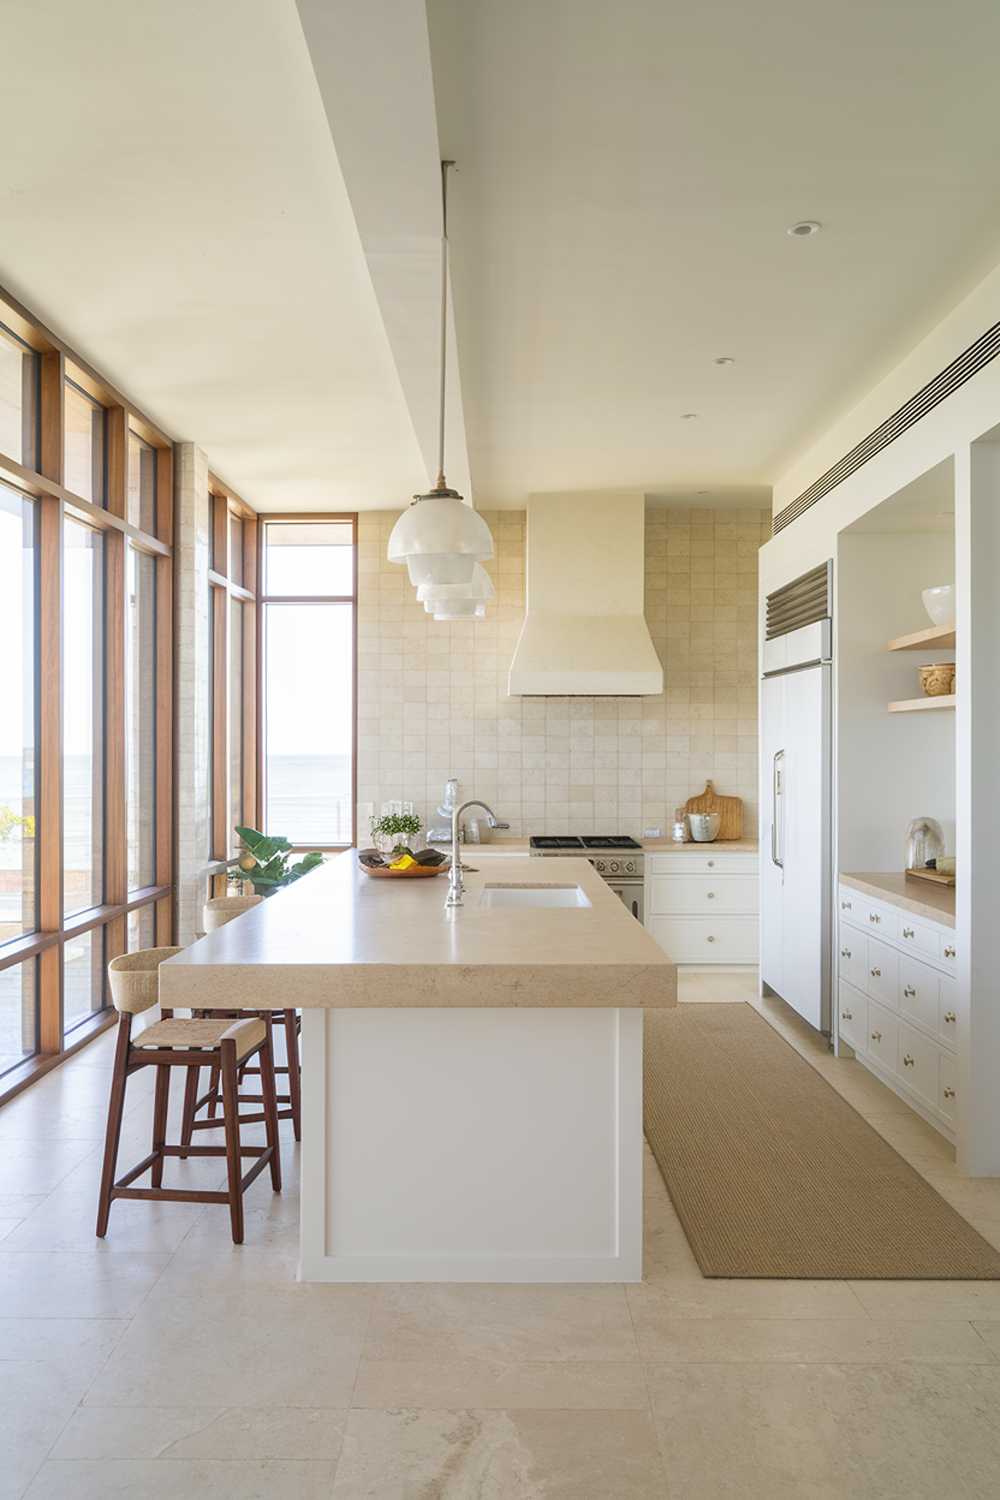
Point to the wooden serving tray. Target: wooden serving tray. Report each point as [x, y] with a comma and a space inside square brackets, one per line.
[418, 872]
[936, 877]
[730, 810]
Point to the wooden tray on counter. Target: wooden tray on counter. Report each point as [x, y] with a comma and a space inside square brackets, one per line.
[418, 872]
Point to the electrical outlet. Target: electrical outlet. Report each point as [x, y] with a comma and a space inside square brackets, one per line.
[652, 833]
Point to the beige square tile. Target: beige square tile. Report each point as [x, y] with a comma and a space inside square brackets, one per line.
[598, 1385]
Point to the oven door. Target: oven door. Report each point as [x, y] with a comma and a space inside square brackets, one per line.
[629, 891]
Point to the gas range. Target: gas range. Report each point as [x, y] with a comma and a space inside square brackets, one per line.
[618, 857]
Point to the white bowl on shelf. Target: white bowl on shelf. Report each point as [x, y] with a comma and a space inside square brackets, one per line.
[939, 603]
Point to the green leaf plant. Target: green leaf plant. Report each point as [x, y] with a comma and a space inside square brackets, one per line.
[264, 861]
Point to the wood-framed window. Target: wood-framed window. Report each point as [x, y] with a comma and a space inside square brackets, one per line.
[233, 619]
[308, 674]
[86, 735]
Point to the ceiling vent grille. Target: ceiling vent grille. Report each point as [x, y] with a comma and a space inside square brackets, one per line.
[969, 363]
[801, 602]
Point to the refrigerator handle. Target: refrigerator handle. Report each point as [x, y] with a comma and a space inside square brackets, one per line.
[776, 795]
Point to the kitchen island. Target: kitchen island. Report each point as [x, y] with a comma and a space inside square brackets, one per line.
[472, 1079]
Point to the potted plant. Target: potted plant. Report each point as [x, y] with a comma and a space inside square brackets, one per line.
[392, 832]
[264, 861]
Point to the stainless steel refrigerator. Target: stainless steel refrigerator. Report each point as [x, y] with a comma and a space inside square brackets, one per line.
[796, 746]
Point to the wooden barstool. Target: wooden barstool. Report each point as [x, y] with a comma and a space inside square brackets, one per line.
[178, 1043]
[216, 913]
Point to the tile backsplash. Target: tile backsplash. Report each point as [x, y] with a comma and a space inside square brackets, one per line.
[433, 701]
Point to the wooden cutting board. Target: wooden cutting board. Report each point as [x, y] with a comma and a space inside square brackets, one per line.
[730, 810]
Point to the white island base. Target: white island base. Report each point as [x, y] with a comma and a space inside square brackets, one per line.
[472, 1144]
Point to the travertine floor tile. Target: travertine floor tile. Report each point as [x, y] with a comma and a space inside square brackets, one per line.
[36, 1401]
[808, 1341]
[501, 1322]
[75, 1283]
[499, 1455]
[916, 1301]
[103, 1432]
[815, 1432]
[702, 1297]
[78, 1346]
[175, 1479]
[598, 1385]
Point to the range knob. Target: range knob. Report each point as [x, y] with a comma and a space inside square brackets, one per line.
[629, 867]
[599, 866]
[614, 867]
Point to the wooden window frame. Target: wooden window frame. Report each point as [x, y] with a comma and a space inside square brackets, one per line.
[263, 599]
[223, 592]
[56, 503]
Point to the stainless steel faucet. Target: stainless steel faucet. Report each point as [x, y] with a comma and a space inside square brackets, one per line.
[455, 886]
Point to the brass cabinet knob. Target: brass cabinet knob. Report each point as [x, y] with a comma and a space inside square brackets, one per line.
[876, 973]
[876, 1036]
[950, 1018]
[907, 1060]
[710, 940]
[909, 991]
[711, 864]
[949, 1093]
[949, 953]
[711, 895]
[908, 932]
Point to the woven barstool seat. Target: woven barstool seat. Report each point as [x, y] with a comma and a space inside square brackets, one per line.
[216, 913]
[227, 1045]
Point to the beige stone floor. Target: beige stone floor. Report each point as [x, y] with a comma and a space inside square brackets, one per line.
[165, 1363]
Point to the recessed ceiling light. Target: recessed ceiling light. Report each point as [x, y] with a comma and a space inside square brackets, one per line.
[804, 228]
[689, 416]
[703, 492]
[724, 359]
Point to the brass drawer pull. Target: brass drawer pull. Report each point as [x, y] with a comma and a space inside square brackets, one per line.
[845, 952]
[949, 953]
[876, 973]
[950, 1018]
[949, 1093]
[909, 992]
[873, 916]
[876, 1036]
[847, 905]
[847, 1015]
[907, 1060]
[908, 932]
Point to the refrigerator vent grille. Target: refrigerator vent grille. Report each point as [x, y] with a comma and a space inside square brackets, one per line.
[801, 602]
[948, 380]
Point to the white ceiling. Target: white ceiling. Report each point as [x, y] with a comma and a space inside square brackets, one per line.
[171, 204]
[627, 173]
[232, 211]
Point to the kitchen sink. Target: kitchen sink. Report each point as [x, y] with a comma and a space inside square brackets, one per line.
[533, 896]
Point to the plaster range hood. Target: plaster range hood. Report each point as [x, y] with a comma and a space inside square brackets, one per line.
[584, 630]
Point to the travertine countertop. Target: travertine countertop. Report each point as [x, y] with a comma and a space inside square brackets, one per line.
[338, 938]
[921, 897]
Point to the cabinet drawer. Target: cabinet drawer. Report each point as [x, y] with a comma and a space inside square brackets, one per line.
[947, 1016]
[877, 919]
[706, 940]
[918, 1063]
[851, 956]
[850, 906]
[702, 893]
[947, 951]
[852, 1017]
[882, 1035]
[917, 936]
[919, 992]
[882, 972]
[702, 864]
[947, 1085]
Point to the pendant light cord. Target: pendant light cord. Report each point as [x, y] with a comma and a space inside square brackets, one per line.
[444, 316]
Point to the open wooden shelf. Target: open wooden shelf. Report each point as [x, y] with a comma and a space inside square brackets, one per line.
[922, 705]
[925, 640]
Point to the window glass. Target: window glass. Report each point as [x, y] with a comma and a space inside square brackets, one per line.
[17, 719]
[18, 399]
[308, 721]
[83, 717]
[235, 549]
[141, 484]
[309, 558]
[235, 720]
[84, 455]
[141, 928]
[83, 977]
[140, 717]
[18, 1014]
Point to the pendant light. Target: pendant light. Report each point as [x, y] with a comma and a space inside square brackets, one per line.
[458, 601]
[439, 537]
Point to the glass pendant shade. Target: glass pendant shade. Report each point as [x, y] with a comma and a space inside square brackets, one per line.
[477, 590]
[458, 609]
[439, 527]
[440, 568]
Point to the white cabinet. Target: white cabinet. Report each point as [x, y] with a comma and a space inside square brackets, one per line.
[898, 1001]
[701, 906]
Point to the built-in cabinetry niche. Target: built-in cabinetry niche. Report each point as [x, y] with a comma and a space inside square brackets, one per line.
[895, 748]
